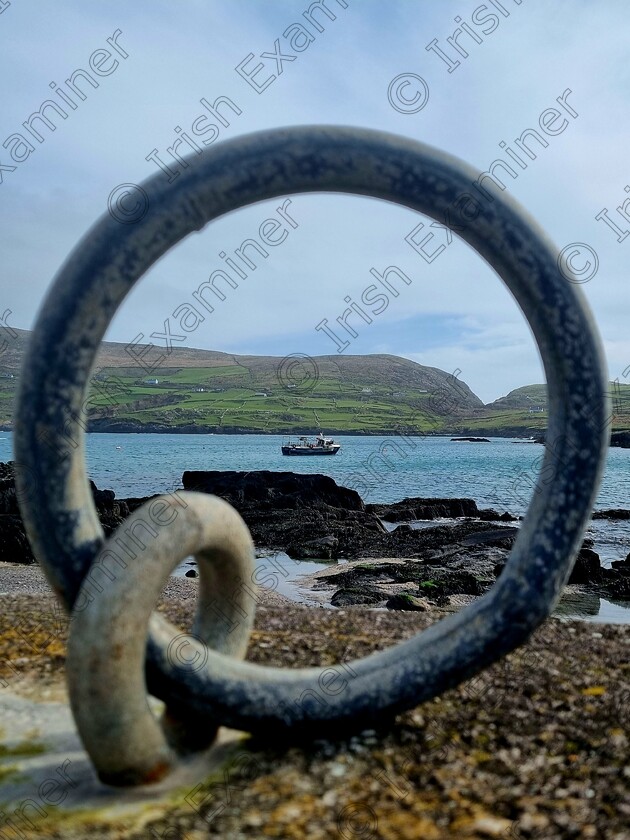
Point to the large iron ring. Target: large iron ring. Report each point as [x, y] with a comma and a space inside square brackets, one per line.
[59, 512]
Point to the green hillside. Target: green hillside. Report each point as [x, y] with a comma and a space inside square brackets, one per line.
[529, 397]
[205, 390]
[528, 407]
[230, 396]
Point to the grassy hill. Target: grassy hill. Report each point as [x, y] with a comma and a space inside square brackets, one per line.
[529, 397]
[206, 390]
[525, 410]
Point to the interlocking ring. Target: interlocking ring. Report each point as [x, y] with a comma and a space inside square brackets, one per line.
[59, 513]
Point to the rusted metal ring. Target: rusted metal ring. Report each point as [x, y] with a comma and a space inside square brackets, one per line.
[59, 513]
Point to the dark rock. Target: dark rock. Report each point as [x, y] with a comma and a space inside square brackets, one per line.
[615, 585]
[620, 589]
[620, 439]
[417, 508]
[499, 568]
[500, 537]
[111, 511]
[8, 495]
[491, 515]
[622, 566]
[613, 513]
[434, 584]
[470, 440]
[295, 513]
[363, 576]
[357, 597]
[102, 498]
[290, 531]
[288, 512]
[403, 601]
[587, 568]
[324, 548]
[436, 544]
[192, 573]
[266, 490]
[13, 541]
[8, 499]
[439, 584]
[14, 546]
[6, 470]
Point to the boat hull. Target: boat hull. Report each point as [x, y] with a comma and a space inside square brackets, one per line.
[290, 450]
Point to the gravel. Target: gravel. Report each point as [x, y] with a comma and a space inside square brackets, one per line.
[535, 747]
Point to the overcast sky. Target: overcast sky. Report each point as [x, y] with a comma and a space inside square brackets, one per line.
[167, 56]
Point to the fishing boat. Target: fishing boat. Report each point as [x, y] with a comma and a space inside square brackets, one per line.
[306, 446]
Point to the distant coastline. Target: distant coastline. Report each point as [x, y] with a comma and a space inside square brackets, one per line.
[619, 439]
[123, 427]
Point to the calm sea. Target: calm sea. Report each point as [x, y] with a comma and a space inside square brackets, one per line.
[500, 474]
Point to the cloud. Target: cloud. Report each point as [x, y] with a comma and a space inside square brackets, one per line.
[180, 53]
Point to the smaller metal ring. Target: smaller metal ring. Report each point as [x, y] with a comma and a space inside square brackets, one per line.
[108, 635]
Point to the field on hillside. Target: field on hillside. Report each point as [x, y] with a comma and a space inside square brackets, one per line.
[214, 391]
[231, 396]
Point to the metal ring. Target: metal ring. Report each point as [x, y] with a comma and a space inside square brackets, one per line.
[59, 513]
[107, 641]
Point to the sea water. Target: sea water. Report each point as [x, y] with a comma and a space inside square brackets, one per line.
[500, 474]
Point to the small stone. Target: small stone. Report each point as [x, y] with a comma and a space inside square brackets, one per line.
[329, 798]
[254, 818]
[404, 601]
[491, 826]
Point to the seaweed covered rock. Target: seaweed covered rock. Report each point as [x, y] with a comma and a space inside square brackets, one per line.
[357, 596]
[405, 601]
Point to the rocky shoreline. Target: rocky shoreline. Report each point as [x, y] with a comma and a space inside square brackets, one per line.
[310, 517]
[534, 747]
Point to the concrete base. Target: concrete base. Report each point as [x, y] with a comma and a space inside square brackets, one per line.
[48, 784]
